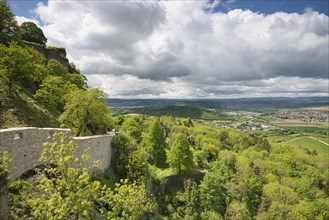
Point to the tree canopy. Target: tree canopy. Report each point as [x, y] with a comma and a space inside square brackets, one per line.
[179, 156]
[242, 179]
[85, 112]
[32, 33]
[67, 190]
[8, 24]
[17, 65]
[155, 144]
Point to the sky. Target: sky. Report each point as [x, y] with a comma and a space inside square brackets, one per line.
[191, 49]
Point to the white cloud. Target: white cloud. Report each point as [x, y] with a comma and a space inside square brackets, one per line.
[181, 49]
[21, 19]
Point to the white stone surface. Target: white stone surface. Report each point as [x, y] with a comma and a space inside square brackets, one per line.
[24, 146]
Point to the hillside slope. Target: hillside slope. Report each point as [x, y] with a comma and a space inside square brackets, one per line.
[20, 109]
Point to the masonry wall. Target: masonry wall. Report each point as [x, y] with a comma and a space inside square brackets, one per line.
[24, 146]
[51, 53]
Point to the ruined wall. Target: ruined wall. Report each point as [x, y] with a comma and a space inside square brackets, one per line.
[24, 146]
[58, 54]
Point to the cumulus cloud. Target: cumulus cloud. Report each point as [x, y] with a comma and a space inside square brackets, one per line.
[21, 19]
[186, 49]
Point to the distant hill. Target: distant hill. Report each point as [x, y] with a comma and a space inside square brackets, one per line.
[211, 108]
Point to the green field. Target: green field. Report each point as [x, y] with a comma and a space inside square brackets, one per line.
[311, 143]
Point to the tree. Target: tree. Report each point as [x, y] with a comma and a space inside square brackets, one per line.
[52, 93]
[213, 193]
[277, 201]
[179, 156]
[124, 147]
[8, 24]
[127, 201]
[4, 168]
[131, 127]
[66, 191]
[130, 162]
[86, 113]
[237, 210]
[56, 69]
[191, 199]
[16, 65]
[32, 33]
[155, 144]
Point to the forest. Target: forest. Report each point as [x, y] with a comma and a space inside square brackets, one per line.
[165, 167]
[174, 168]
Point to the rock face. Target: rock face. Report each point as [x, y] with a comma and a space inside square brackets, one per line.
[58, 54]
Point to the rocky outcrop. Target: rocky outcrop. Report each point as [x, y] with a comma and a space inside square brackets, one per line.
[56, 53]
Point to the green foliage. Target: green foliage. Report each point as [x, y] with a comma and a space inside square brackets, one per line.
[127, 201]
[17, 65]
[179, 155]
[107, 177]
[25, 72]
[19, 193]
[211, 215]
[8, 24]
[237, 210]
[191, 199]
[123, 147]
[4, 167]
[32, 33]
[66, 190]
[53, 91]
[54, 68]
[237, 176]
[213, 193]
[130, 162]
[155, 144]
[132, 128]
[85, 113]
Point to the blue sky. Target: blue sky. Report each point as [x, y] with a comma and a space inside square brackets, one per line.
[25, 7]
[270, 6]
[191, 49]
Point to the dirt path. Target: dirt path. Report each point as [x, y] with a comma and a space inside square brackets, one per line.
[308, 137]
[319, 141]
[292, 139]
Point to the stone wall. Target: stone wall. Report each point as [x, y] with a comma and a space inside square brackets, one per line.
[58, 54]
[24, 146]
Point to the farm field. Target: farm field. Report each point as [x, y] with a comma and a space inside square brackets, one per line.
[294, 123]
[311, 143]
[322, 108]
[301, 125]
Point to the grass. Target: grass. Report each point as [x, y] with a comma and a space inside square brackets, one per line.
[283, 138]
[321, 124]
[19, 109]
[311, 143]
[297, 124]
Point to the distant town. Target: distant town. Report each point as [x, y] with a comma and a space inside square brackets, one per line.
[257, 121]
[307, 116]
